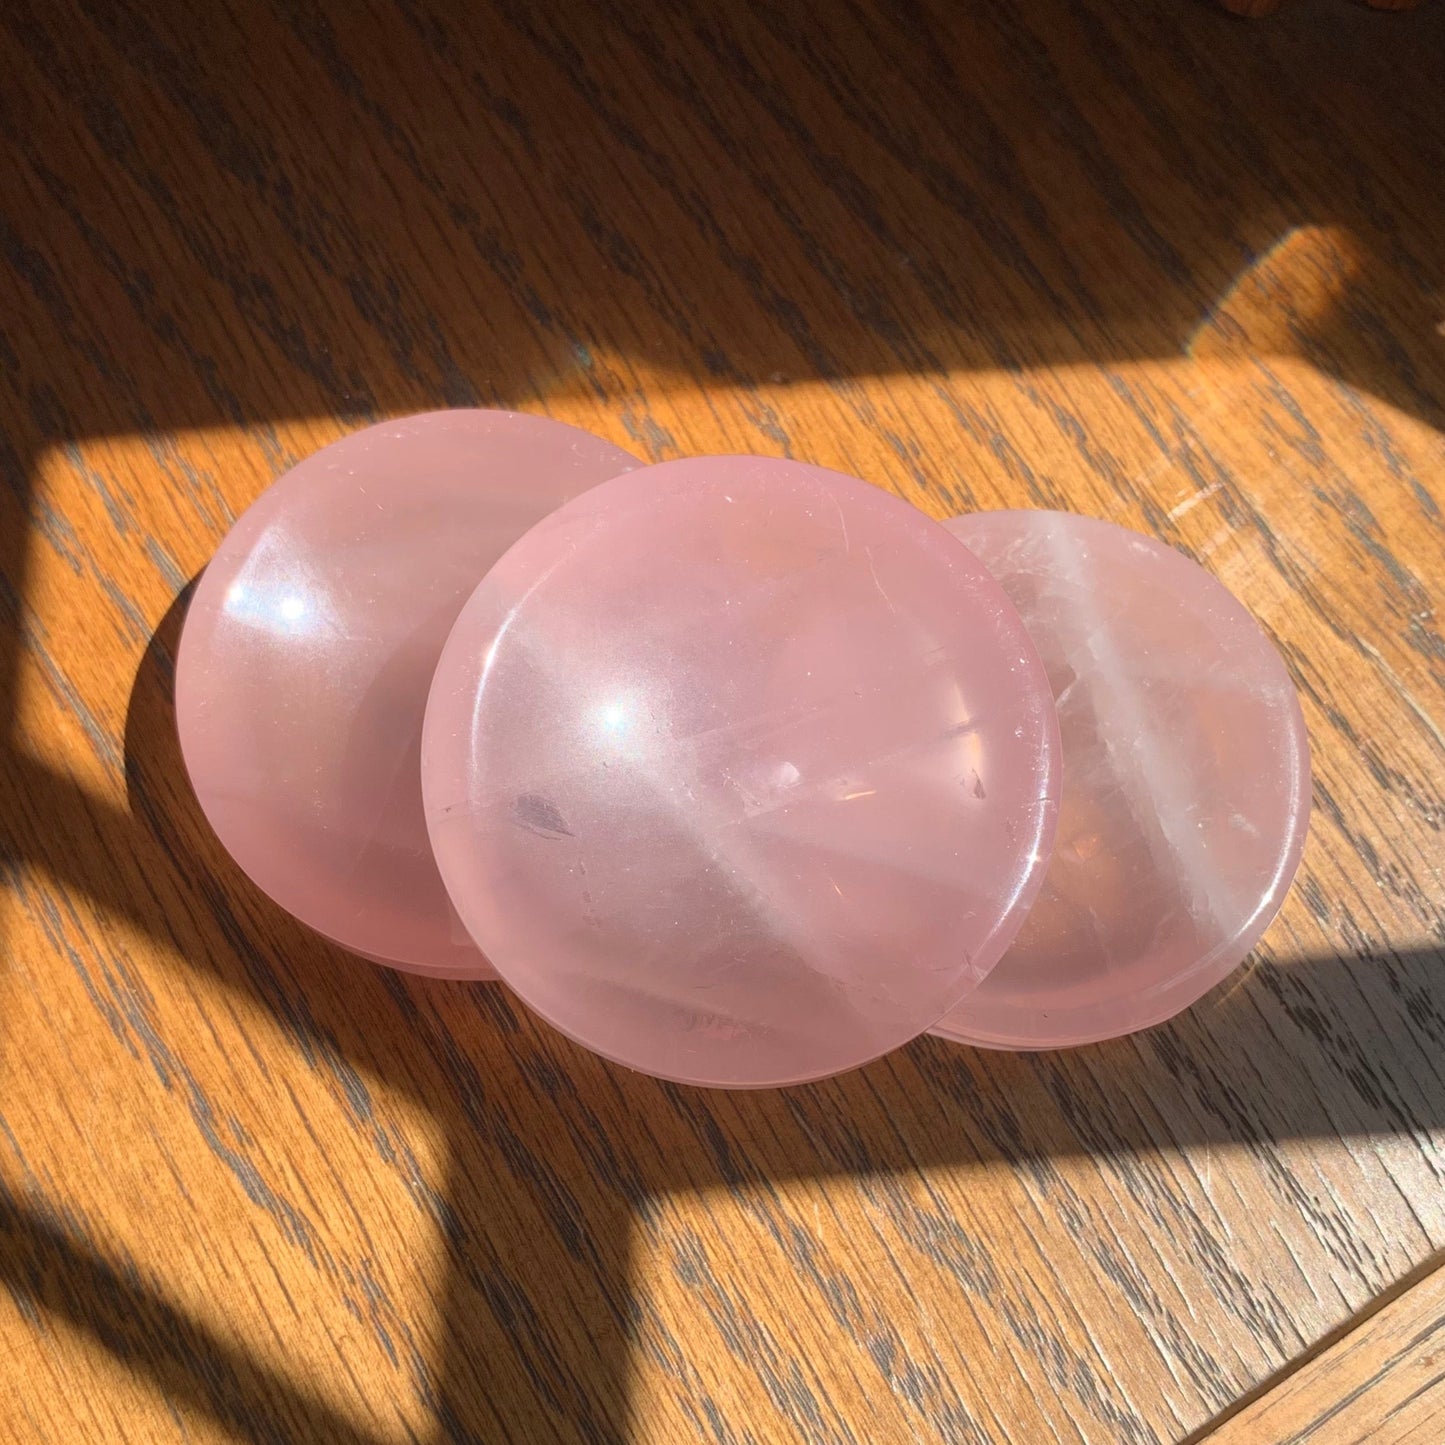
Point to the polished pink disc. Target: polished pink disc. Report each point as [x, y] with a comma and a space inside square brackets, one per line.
[1186, 783]
[309, 646]
[740, 771]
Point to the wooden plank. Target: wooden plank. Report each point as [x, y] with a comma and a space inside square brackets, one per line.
[1145, 263]
[1384, 1383]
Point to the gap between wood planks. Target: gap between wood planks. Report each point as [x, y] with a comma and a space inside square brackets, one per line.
[1283, 1409]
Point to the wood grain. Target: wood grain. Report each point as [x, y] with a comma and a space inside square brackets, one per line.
[1383, 1383]
[1252, 9]
[1142, 261]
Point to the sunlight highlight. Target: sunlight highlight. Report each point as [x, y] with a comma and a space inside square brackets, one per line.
[1291, 288]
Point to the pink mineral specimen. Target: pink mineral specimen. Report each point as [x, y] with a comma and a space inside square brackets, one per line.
[309, 646]
[740, 771]
[1186, 783]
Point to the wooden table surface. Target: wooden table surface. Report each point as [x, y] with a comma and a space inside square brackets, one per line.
[1140, 260]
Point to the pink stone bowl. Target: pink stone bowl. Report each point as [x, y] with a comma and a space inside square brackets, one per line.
[309, 646]
[741, 772]
[1186, 783]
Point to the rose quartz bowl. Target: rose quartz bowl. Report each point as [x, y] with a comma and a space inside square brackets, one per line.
[741, 772]
[309, 646]
[1185, 783]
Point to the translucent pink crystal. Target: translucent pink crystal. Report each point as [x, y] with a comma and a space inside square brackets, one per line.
[1185, 785]
[740, 771]
[309, 647]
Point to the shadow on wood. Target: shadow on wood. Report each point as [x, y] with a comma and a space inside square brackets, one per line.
[51, 1272]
